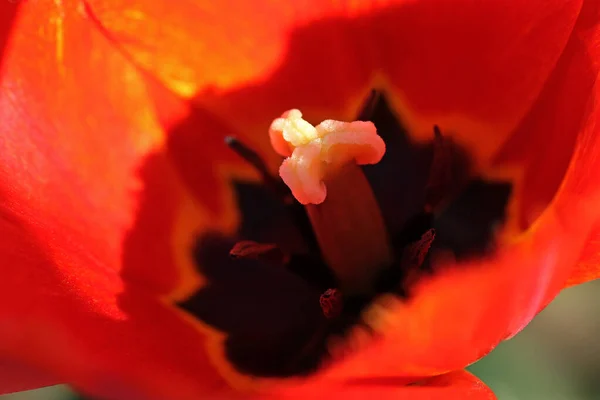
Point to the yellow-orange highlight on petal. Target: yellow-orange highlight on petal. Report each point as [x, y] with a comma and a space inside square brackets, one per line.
[314, 152]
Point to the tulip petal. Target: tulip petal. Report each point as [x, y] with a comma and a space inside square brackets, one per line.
[474, 68]
[462, 312]
[588, 267]
[15, 377]
[195, 50]
[81, 274]
[8, 11]
[584, 184]
[586, 161]
[539, 174]
[93, 337]
[455, 385]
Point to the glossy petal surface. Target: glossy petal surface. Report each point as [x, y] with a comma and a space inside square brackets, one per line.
[474, 67]
[79, 136]
[565, 106]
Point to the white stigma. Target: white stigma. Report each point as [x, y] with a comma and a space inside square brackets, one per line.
[315, 152]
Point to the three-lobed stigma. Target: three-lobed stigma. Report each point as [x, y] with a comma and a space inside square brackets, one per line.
[315, 152]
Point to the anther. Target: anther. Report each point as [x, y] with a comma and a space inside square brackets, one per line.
[412, 261]
[249, 250]
[448, 174]
[414, 254]
[331, 303]
[440, 174]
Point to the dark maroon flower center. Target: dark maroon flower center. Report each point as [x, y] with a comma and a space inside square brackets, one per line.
[271, 290]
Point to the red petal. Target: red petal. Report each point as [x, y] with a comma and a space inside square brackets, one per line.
[77, 127]
[196, 49]
[537, 155]
[462, 313]
[474, 68]
[196, 146]
[15, 377]
[457, 385]
[8, 11]
[588, 267]
[584, 179]
[564, 107]
[584, 187]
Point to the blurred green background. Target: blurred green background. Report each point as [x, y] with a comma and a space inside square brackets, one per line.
[557, 357]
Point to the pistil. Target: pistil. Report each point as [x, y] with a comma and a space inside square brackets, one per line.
[321, 170]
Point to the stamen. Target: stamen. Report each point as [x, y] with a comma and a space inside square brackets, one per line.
[447, 173]
[412, 263]
[414, 254]
[409, 267]
[321, 164]
[249, 250]
[440, 172]
[331, 303]
[255, 160]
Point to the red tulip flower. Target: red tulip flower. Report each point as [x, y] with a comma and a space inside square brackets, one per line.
[151, 251]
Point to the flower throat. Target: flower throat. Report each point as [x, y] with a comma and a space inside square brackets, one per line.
[314, 254]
